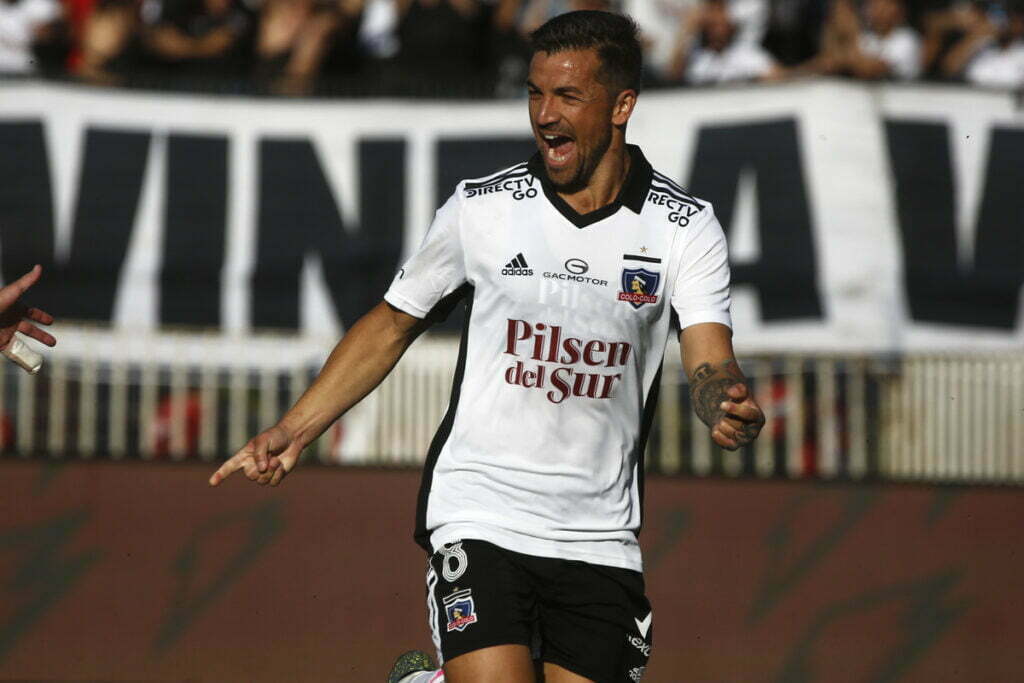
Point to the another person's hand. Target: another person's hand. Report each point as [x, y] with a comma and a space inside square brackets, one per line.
[742, 421]
[266, 459]
[15, 316]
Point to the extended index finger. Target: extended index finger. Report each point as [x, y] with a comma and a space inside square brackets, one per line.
[230, 466]
[13, 291]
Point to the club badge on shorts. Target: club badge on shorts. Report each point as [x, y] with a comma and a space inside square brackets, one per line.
[460, 610]
[639, 286]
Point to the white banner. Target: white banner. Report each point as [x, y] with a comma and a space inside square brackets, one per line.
[837, 242]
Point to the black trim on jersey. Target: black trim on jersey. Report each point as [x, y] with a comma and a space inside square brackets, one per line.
[666, 184]
[514, 172]
[632, 195]
[645, 259]
[646, 420]
[422, 533]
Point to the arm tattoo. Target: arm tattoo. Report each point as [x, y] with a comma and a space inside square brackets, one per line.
[707, 389]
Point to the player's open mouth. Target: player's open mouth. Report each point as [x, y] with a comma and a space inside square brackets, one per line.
[558, 149]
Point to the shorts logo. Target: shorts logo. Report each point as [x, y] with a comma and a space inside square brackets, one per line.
[453, 553]
[639, 286]
[636, 673]
[638, 643]
[460, 610]
[644, 625]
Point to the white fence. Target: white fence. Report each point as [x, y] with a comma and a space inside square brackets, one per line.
[939, 418]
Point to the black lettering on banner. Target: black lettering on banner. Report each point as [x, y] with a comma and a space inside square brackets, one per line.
[195, 223]
[938, 290]
[109, 188]
[785, 276]
[298, 216]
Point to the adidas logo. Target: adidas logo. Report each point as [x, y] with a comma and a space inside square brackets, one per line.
[517, 266]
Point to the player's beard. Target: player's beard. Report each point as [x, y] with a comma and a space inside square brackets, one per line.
[587, 161]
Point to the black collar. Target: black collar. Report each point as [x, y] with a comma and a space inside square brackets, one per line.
[632, 194]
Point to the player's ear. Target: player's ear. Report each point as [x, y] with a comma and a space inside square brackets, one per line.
[623, 109]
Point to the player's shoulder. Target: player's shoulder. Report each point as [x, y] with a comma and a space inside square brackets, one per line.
[668, 200]
[513, 180]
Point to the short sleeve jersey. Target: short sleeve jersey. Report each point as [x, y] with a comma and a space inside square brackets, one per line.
[567, 318]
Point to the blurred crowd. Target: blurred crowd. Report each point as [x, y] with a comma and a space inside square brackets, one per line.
[291, 46]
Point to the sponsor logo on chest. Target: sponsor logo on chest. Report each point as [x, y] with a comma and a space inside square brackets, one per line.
[554, 352]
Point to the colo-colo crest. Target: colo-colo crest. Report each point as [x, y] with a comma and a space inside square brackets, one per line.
[639, 286]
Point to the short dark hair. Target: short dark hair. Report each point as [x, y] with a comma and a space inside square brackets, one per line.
[615, 37]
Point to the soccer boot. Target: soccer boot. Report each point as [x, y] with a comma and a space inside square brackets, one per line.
[408, 663]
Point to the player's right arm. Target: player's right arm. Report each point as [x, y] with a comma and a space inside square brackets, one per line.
[365, 355]
[359, 362]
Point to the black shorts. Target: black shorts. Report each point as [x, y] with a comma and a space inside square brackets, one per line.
[591, 619]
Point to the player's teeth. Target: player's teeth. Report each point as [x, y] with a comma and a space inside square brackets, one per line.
[555, 156]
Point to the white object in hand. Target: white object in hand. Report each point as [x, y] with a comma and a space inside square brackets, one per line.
[20, 353]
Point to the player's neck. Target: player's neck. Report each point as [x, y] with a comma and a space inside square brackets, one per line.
[605, 183]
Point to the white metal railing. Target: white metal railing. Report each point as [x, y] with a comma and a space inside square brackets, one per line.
[928, 417]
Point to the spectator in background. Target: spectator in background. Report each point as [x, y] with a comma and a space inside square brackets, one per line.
[510, 52]
[201, 37]
[510, 23]
[295, 37]
[659, 22]
[109, 37]
[794, 30]
[886, 48]
[538, 12]
[990, 52]
[750, 18]
[377, 37]
[709, 51]
[439, 37]
[29, 30]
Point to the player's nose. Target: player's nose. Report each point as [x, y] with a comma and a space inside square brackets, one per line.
[547, 113]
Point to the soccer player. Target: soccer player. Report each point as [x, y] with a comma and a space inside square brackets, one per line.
[570, 266]
[15, 316]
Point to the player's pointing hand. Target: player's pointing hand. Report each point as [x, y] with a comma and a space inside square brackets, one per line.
[742, 419]
[266, 459]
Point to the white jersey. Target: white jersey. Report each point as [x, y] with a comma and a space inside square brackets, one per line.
[740, 61]
[567, 317]
[900, 50]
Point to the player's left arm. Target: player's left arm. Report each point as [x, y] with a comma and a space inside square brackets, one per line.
[719, 391]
